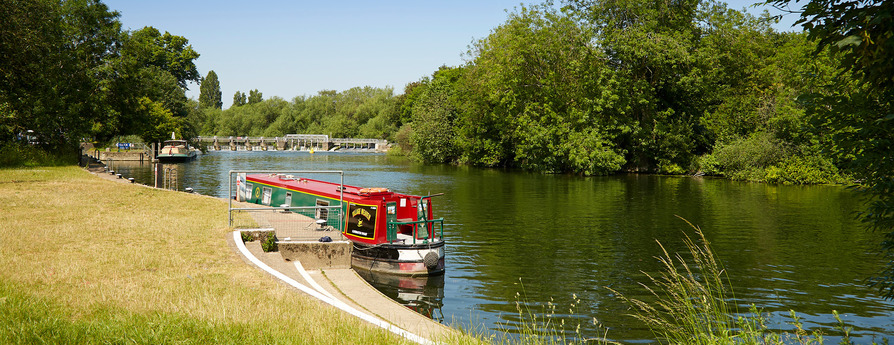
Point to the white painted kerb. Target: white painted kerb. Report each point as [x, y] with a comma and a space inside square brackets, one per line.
[329, 300]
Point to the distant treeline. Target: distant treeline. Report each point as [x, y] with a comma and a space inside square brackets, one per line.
[594, 88]
[358, 112]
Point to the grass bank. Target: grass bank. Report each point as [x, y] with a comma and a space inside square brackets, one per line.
[87, 260]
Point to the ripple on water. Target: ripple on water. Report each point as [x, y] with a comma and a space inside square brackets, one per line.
[783, 247]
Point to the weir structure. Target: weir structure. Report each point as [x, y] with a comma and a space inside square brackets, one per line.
[292, 142]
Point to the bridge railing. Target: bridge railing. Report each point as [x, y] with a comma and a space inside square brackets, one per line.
[293, 141]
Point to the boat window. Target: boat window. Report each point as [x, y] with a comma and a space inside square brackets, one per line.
[268, 192]
[322, 213]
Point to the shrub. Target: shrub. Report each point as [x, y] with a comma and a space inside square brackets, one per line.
[269, 243]
[759, 150]
[804, 170]
[669, 168]
[762, 157]
[14, 155]
[708, 164]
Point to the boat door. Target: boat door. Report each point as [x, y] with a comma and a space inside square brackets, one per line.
[424, 213]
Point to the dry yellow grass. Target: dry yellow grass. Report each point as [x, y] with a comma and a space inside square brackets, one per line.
[92, 244]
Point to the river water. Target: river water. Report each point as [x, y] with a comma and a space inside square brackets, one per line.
[524, 239]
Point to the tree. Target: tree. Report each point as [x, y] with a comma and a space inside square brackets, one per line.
[148, 47]
[68, 72]
[156, 67]
[209, 92]
[857, 108]
[239, 99]
[53, 62]
[537, 96]
[255, 96]
[654, 49]
[433, 127]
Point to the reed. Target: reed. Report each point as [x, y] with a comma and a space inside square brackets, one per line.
[690, 304]
[693, 303]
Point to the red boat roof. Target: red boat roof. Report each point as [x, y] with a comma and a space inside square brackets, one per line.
[322, 188]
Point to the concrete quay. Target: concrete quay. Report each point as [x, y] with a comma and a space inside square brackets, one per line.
[323, 271]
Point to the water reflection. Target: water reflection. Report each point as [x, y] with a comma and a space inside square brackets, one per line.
[425, 295]
[549, 237]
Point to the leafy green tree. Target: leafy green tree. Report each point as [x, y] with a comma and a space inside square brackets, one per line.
[433, 129]
[153, 66]
[148, 47]
[760, 131]
[538, 96]
[53, 58]
[239, 99]
[857, 107]
[159, 121]
[653, 47]
[378, 127]
[405, 102]
[69, 73]
[255, 96]
[209, 92]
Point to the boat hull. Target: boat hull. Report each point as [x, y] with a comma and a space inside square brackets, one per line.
[176, 158]
[400, 259]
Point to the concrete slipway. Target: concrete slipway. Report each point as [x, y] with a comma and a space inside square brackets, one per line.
[343, 289]
[323, 269]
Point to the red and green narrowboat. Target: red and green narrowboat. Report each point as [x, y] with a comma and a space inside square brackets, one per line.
[392, 232]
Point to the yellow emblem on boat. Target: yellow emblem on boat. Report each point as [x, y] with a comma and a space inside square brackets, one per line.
[361, 212]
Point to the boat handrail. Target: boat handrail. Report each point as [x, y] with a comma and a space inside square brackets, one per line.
[391, 235]
[283, 208]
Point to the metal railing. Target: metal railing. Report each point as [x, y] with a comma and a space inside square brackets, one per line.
[427, 225]
[290, 223]
[334, 212]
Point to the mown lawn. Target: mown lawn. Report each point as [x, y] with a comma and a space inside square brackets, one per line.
[88, 260]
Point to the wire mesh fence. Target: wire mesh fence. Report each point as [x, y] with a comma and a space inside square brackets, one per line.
[290, 223]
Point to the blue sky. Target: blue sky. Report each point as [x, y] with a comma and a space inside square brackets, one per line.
[292, 48]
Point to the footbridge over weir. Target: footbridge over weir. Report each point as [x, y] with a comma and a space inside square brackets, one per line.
[292, 142]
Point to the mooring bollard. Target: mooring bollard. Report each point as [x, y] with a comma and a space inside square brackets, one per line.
[119, 175]
[130, 179]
